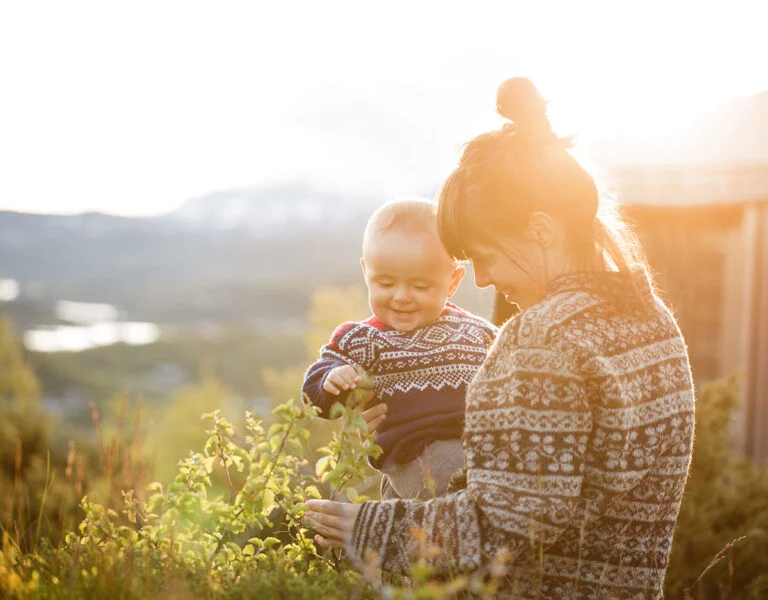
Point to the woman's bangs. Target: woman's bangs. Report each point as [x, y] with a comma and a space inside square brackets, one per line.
[453, 227]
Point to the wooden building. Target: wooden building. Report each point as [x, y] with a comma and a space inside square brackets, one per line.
[705, 233]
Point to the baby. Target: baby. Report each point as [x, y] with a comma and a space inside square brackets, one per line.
[420, 350]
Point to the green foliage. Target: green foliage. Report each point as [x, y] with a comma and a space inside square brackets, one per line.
[721, 541]
[173, 427]
[18, 385]
[241, 538]
[34, 503]
[344, 460]
[230, 356]
[361, 395]
[329, 308]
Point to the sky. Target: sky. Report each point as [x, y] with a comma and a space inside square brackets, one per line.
[134, 107]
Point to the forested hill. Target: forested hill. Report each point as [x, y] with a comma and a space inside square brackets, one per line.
[225, 256]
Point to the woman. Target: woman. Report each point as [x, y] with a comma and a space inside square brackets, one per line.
[579, 425]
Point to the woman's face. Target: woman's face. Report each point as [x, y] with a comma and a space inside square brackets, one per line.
[516, 268]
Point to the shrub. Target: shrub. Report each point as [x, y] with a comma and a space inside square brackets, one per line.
[229, 525]
[723, 519]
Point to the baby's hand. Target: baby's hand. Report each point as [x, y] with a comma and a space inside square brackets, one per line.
[341, 378]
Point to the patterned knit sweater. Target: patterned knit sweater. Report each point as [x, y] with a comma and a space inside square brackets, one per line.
[578, 439]
[422, 375]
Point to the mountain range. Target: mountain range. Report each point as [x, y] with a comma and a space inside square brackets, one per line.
[215, 258]
[258, 252]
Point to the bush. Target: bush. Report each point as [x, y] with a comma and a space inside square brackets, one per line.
[721, 541]
[229, 525]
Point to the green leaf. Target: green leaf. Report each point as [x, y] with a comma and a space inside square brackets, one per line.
[323, 465]
[337, 410]
[269, 501]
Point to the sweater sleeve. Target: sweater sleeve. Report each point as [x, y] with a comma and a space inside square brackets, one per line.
[350, 344]
[313, 385]
[527, 427]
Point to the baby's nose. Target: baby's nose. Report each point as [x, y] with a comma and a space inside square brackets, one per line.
[402, 294]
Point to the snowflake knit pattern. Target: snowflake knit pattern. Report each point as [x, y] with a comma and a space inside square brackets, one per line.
[578, 440]
[421, 374]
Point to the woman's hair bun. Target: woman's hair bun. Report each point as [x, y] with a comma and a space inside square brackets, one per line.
[518, 100]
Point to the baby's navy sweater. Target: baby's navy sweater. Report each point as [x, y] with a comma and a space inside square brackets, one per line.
[422, 375]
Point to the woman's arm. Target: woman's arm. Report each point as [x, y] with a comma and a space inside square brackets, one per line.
[527, 427]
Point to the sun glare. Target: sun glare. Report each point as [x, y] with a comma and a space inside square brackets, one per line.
[336, 104]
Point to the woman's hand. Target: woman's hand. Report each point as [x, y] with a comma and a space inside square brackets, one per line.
[333, 522]
[374, 416]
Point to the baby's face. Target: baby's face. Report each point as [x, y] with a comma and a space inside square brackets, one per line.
[409, 278]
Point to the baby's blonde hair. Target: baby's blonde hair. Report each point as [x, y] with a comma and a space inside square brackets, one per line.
[412, 215]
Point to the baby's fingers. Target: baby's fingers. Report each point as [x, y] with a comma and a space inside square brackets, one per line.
[350, 376]
[330, 387]
[346, 379]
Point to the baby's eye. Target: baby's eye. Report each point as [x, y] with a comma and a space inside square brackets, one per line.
[421, 287]
[385, 284]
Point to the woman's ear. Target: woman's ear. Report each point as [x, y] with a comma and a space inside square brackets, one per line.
[456, 278]
[542, 229]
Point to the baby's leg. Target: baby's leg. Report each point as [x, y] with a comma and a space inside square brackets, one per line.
[425, 477]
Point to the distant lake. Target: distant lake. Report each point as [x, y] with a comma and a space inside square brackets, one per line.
[9, 290]
[97, 324]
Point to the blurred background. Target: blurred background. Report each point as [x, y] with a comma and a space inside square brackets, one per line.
[183, 185]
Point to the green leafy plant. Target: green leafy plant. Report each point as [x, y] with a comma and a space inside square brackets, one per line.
[720, 547]
[232, 513]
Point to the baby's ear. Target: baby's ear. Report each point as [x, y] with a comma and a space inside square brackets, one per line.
[362, 265]
[456, 278]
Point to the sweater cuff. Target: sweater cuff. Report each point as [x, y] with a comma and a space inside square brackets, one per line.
[370, 532]
[328, 399]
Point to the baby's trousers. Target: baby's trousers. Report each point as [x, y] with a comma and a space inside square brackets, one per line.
[424, 477]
